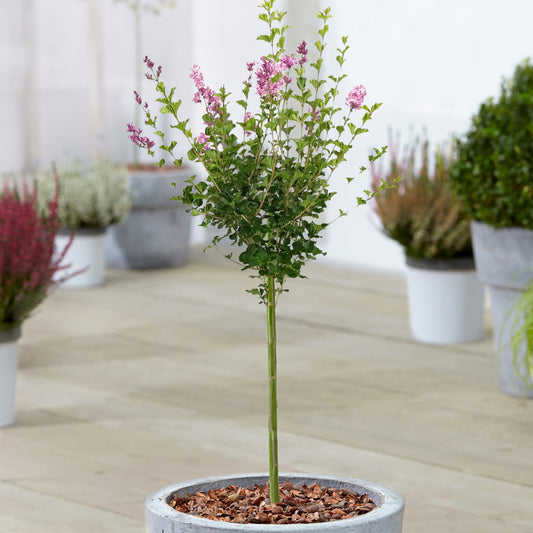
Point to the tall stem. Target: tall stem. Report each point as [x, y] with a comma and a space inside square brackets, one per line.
[272, 391]
[138, 69]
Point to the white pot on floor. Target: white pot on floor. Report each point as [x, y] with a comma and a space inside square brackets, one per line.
[446, 301]
[86, 255]
[8, 374]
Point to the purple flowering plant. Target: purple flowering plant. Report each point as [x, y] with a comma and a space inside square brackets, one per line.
[268, 171]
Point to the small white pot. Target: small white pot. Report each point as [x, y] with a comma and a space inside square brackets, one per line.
[8, 375]
[85, 255]
[446, 301]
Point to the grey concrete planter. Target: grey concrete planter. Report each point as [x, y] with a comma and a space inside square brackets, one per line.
[504, 261]
[386, 518]
[156, 232]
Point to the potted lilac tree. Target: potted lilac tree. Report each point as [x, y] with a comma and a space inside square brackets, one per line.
[27, 268]
[267, 183]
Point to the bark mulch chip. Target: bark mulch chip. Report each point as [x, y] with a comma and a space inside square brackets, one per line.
[305, 504]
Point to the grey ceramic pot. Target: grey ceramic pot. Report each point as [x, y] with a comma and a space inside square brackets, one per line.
[156, 232]
[504, 261]
[386, 518]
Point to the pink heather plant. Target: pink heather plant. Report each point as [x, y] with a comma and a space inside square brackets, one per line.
[268, 175]
[27, 260]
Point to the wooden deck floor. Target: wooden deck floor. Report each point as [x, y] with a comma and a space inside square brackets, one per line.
[159, 377]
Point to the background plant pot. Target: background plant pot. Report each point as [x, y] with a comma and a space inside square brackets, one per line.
[87, 251]
[504, 261]
[156, 233]
[446, 300]
[8, 374]
[386, 518]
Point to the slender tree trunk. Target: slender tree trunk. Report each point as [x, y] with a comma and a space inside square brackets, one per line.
[97, 113]
[272, 391]
[138, 71]
[30, 95]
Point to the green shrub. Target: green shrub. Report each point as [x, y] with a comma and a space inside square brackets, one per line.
[493, 173]
[421, 213]
[90, 197]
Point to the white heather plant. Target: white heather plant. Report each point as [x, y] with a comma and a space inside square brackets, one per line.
[269, 169]
[90, 197]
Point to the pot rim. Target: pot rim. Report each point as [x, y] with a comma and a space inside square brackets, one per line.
[82, 232]
[465, 262]
[10, 335]
[388, 502]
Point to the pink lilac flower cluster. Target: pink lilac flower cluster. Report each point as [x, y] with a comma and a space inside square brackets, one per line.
[302, 50]
[203, 92]
[150, 65]
[355, 97]
[270, 77]
[203, 139]
[135, 137]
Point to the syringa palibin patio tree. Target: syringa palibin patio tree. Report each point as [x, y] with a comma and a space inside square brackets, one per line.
[268, 170]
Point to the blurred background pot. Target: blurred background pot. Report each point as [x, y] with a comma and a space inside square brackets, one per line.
[156, 233]
[8, 374]
[504, 260]
[446, 300]
[86, 256]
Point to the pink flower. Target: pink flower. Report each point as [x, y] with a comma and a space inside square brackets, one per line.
[269, 75]
[197, 77]
[149, 62]
[302, 50]
[288, 61]
[137, 97]
[212, 100]
[355, 97]
[135, 137]
[203, 139]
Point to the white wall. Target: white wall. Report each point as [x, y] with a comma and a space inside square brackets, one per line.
[430, 62]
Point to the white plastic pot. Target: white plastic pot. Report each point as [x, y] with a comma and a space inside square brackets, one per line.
[86, 256]
[8, 375]
[387, 517]
[446, 301]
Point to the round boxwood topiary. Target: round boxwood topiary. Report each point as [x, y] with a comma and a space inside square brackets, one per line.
[493, 173]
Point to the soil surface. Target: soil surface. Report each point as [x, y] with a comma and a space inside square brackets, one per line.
[305, 504]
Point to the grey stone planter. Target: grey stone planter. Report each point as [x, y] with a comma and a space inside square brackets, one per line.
[386, 518]
[504, 261]
[156, 232]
